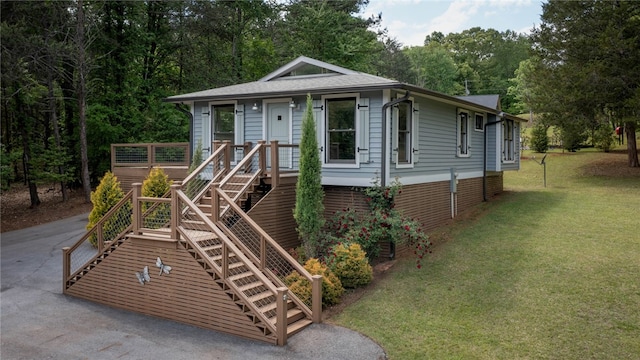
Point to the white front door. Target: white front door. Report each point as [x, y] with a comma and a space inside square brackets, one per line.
[279, 128]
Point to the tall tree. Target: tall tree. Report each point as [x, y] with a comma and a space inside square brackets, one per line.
[589, 53]
[309, 208]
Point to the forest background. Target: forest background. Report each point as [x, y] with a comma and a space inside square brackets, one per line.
[80, 75]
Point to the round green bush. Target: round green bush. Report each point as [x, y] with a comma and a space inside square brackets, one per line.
[331, 286]
[350, 264]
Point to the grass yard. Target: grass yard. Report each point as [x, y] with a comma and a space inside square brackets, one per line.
[541, 273]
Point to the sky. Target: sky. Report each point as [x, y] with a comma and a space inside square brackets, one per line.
[410, 21]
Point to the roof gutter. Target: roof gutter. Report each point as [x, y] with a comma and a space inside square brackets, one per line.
[383, 177]
[484, 163]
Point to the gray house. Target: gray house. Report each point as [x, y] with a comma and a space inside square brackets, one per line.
[449, 153]
[224, 230]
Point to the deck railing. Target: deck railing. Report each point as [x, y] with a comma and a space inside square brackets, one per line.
[113, 226]
[266, 253]
[150, 154]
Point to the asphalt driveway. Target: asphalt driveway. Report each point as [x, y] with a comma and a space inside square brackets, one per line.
[39, 322]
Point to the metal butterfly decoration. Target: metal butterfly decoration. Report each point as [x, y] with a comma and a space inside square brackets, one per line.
[163, 267]
[143, 277]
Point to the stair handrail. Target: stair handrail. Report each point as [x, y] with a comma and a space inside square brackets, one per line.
[315, 280]
[97, 230]
[179, 194]
[247, 158]
[220, 155]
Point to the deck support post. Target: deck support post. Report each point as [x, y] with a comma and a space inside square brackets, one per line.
[275, 164]
[136, 221]
[316, 298]
[246, 148]
[66, 267]
[175, 209]
[281, 315]
[227, 155]
[262, 157]
[215, 202]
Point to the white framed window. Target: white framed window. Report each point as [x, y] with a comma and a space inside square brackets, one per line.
[479, 123]
[224, 122]
[463, 135]
[508, 141]
[405, 134]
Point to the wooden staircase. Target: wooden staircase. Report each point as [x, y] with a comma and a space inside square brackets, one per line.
[206, 227]
[257, 295]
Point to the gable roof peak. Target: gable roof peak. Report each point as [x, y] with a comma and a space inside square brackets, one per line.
[301, 61]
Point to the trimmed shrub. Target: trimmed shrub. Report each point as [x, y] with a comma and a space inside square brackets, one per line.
[107, 195]
[603, 138]
[350, 264]
[331, 286]
[539, 139]
[156, 185]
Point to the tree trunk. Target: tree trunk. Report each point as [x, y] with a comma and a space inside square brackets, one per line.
[82, 103]
[632, 147]
[53, 117]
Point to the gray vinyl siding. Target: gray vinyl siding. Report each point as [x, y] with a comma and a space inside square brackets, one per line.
[252, 122]
[438, 143]
[197, 124]
[493, 144]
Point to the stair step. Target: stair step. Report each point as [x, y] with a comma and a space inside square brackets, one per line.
[298, 326]
[293, 315]
[236, 277]
[261, 296]
[250, 286]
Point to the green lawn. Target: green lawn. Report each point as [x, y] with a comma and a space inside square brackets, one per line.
[543, 273]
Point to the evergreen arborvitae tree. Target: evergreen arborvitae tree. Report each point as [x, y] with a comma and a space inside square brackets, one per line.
[107, 195]
[156, 184]
[539, 139]
[309, 210]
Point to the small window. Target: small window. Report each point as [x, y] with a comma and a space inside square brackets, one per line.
[224, 122]
[404, 133]
[508, 135]
[480, 122]
[341, 130]
[463, 133]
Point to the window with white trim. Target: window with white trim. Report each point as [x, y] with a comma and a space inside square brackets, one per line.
[479, 122]
[463, 133]
[508, 143]
[224, 116]
[341, 130]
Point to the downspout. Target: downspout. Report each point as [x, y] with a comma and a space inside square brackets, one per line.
[383, 177]
[190, 128]
[484, 164]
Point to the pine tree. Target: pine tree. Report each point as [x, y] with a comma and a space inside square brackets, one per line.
[309, 210]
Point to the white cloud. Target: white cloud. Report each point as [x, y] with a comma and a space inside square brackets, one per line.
[455, 18]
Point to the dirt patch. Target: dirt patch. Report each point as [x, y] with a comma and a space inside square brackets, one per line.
[16, 213]
[615, 166]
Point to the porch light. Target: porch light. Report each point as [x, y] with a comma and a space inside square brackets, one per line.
[293, 105]
[255, 107]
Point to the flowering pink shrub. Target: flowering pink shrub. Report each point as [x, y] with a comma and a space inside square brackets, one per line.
[383, 223]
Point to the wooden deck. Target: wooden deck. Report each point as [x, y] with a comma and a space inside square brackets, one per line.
[224, 272]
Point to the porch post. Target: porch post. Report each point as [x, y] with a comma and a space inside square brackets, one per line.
[175, 209]
[275, 164]
[262, 157]
[215, 202]
[247, 148]
[136, 215]
[281, 315]
[316, 298]
[227, 155]
[66, 267]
